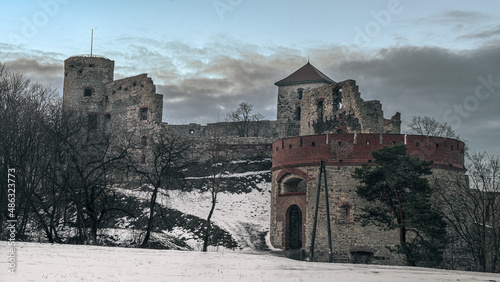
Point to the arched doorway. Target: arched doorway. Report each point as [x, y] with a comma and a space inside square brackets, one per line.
[294, 232]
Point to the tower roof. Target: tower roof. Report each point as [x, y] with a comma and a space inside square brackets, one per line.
[306, 74]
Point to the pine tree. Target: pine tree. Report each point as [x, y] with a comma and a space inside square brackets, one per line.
[398, 197]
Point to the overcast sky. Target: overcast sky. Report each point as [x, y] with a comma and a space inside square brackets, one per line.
[433, 58]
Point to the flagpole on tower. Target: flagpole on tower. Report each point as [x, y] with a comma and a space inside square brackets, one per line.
[91, 42]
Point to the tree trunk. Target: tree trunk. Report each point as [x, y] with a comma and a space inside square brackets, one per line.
[209, 225]
[151, 217]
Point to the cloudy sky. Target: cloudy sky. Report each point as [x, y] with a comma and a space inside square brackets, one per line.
[432, 58]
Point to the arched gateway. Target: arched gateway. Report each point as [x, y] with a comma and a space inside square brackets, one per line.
[294, 230]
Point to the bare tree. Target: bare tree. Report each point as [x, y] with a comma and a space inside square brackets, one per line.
[428, 126]
[168, 160]
[24, 109]
[89, 160]
[473, 209]
[245, 123]
[218, 161]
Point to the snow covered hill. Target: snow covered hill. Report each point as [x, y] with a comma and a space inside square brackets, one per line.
[53, 262]
[241, 215]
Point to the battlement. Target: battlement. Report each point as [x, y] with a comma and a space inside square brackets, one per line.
[356, 149]
[88, 56]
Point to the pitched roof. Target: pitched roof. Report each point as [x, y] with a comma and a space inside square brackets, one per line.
[306, 74]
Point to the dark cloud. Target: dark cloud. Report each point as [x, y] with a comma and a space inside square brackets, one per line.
[483, 34]
[38, 70]
[201, 83]
[454, 17]
[435, 82]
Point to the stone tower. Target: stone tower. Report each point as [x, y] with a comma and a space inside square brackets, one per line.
[85, 80]
[290, 92]
[296, 163]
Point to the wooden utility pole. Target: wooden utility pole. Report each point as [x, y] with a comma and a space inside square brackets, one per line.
[322, 172]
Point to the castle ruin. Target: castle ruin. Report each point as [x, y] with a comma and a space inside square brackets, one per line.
[317, 119]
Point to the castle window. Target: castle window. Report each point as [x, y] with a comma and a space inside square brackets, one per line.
[313, 144]
[452, 148]
[437, 146]
[87, 92]
[293, 185]
[92, 121]
[344, 213]
[340, 143]
[143, 113]
[290, 146]
[144, 140]
[320, 110]
[91, 65]
[368, 143]
[143, 159]
[106, 99]
[298, 112]
[417, 144]
[191, 131]
[300, 91]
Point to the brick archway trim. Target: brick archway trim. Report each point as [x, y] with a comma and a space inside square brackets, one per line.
[295, 171]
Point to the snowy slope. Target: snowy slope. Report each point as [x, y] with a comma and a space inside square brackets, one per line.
[49, 262]
[244, 215]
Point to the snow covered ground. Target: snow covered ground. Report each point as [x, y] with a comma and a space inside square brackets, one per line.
[52, 262]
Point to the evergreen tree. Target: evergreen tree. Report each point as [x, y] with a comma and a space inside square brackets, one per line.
[398, 197]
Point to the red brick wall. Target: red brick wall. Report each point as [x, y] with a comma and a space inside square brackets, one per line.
[357, 149]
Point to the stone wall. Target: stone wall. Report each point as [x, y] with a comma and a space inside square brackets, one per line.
[300, 157]
[339, 108]
[85, 80]
[264, 128]
[289, 99]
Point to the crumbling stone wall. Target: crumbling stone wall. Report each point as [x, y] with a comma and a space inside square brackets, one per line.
[339, 108]
[133, 103]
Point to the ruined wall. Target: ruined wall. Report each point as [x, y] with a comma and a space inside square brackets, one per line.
[289, 99]
[135, 109]
[265, 128]
[339, 108]
[128, 97]
[300, 157]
